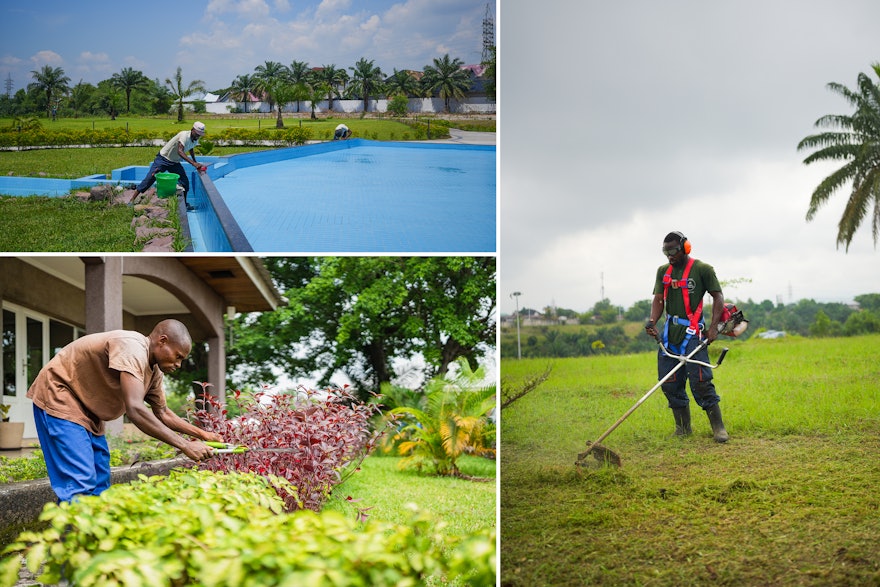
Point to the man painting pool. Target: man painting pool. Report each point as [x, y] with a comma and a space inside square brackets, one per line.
[169, 157]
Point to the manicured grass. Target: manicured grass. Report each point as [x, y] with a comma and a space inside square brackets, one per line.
[790, 500]
[464, 505]
[41, 224]
[75, 163]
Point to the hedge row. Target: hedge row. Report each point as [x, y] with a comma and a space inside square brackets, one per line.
[209, 529]
[10, 137]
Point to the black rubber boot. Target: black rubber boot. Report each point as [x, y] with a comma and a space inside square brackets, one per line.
[718, 430]
[682, 420]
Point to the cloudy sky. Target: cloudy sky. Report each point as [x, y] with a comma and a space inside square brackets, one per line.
[622, 121]
[217, 40]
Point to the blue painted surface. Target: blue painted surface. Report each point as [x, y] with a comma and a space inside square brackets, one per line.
[364, 196]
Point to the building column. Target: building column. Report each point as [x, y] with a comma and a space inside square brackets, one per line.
[104, 303]
[217, 367]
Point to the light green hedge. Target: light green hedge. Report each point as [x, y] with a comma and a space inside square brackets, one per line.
[228, 530]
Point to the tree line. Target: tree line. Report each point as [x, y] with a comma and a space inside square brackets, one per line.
[609, 329]
[374, 320]
[132, 92]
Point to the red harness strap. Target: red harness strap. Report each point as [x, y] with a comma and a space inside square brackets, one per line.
[682, 284]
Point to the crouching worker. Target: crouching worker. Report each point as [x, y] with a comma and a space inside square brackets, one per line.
[100, 377]
[169, 157]
[341, 133]
[679, 288]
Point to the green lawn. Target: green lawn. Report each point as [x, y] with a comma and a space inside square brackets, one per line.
[464, 505]
[41, 224]
[790, 500]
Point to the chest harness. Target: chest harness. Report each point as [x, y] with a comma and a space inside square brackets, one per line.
[694, 322]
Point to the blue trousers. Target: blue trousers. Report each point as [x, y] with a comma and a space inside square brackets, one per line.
[699, 377]
[78, 461]
[159, 165]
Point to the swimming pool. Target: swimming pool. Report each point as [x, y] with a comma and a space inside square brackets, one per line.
[360, 196]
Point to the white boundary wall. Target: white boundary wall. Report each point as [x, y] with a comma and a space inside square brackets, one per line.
[474, 105]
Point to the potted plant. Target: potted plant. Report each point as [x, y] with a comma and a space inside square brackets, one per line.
[10, 432]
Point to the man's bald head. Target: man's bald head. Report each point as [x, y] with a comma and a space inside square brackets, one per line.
[170, 344]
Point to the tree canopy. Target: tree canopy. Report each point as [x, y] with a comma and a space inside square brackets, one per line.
[358, 315]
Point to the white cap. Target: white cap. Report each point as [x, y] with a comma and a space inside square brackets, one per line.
[199, 127]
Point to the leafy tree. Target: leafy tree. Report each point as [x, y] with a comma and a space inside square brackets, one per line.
[127, 80]
[356, 315]
[333, 77]
[447, 79]
[450, 424]
[180, 92]
[80, 96]
[161, 97]
[108, 98]
[870, 302]
[862, 322]
[366, 79]
[242, 88]
[398, 105]
[855, 140]
[52, 82]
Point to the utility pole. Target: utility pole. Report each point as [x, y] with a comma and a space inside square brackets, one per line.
[8, 84]
[515, 295]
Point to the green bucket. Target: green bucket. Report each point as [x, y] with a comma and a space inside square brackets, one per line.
[166, 184]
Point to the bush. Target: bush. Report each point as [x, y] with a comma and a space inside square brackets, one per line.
[324, 436]
[202, 528]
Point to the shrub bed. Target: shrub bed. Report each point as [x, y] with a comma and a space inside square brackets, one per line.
[322, 437]
[210, 529]
[39, 137]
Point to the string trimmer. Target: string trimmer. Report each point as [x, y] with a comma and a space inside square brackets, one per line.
[733, 325]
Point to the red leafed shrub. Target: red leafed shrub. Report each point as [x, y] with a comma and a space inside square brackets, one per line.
[324, 437]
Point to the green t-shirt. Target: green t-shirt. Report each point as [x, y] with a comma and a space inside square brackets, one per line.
[701, 279]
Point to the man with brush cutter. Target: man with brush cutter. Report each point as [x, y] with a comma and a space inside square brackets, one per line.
[679, 289]
[97, 378]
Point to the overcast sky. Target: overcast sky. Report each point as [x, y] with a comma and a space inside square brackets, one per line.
[623, 121]
[217, 40]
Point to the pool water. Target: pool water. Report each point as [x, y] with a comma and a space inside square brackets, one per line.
[373, 197]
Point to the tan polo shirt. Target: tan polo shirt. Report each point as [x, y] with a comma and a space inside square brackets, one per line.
[82, 382]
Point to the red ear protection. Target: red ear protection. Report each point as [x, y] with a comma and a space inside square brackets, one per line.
[685, 243]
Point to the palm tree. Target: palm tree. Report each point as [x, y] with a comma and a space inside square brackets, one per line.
[447, 79]
[181, 93]
[51, 81]
[242, 88]
[449, 423]
[316, 94]
[856, 140]
[333, 77]
[129, 79]
[366, 79]
[271, 75]
[402, 82]
[301, 75]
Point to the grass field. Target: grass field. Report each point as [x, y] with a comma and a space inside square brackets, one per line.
[790, 500]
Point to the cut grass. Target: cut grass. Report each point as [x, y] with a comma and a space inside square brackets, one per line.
[790, 500]
[41, 224]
